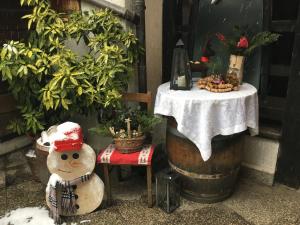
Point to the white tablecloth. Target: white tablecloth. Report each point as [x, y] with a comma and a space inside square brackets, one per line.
[201, 114]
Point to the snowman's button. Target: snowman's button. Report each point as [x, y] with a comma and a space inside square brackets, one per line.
[74, 186]
[76, 196]
[77, 206]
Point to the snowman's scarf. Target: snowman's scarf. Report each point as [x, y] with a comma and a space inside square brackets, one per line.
[67, 204]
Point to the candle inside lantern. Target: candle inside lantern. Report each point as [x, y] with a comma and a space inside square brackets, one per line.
[181, 81]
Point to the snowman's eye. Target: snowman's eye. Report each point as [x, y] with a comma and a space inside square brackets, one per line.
[64, 157]
[75, 155]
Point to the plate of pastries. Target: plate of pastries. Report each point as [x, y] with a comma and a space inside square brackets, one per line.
[219, 83]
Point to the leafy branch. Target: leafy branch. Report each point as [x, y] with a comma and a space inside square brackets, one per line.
[241, 43]
[115, 118]
[261, 39]
[50, 81]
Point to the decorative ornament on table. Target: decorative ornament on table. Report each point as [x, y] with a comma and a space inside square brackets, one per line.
[181, 78]
[199, 65]
[73, 188]
[242, 44]
[231, 78]
[216, 83]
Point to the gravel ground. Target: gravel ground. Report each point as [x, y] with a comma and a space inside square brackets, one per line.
[251, 203]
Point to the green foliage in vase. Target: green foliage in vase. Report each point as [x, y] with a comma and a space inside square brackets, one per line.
[216, 66]
[244, 42]
[50, 82]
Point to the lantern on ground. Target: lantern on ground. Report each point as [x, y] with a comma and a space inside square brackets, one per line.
[181, 78]
[167, 190]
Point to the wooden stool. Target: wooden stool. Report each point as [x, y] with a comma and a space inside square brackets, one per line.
[110, 156]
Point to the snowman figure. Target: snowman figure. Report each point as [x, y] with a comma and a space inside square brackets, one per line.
[73, 188]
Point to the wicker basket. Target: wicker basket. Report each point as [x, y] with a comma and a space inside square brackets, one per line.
[129, 145]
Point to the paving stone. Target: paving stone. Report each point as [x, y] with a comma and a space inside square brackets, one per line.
[186, 205]
[262, 204]
[18, 174]
[15, 159]
[251, 204]
[211, 215]
[2, 179]
[132, 189]
[286, 221]
[109, 216]
[11, 176]
[25, 194]
[2, 201]
[2, 162]
[2, 172]
[137, 212]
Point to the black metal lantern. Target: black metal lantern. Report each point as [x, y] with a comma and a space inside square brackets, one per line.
[181, 78]
[167, 190]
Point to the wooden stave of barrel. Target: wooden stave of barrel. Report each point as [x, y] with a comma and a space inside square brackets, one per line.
[210, 181]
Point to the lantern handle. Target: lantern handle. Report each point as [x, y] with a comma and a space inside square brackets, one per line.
[179, 43]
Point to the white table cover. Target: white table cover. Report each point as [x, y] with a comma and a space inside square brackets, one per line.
[201, 114]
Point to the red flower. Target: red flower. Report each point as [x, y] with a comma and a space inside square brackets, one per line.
[220, 36]
[204, 59]
[243, 43]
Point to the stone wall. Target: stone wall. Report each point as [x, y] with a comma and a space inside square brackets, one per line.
[260, 158]
[14, 167]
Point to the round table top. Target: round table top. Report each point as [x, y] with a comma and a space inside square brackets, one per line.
[202, 94]
[201, 114]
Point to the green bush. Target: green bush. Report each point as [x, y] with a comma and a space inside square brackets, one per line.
[50, 82]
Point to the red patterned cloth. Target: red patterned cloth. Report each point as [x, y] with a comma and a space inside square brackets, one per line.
[111, 156]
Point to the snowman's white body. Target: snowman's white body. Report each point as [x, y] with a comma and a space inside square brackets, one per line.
[64, 166]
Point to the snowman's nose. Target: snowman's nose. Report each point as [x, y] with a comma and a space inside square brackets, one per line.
[75, 164]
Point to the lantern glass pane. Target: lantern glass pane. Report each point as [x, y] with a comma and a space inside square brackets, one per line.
[181, 78]
[167, 190]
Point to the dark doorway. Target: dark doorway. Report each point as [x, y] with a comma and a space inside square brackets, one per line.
[281, 85]
[12, 27]
[179, 18]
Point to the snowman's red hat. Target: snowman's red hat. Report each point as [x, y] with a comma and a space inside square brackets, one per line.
[69, 137]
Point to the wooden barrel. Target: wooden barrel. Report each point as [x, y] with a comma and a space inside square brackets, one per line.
[209, 181]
